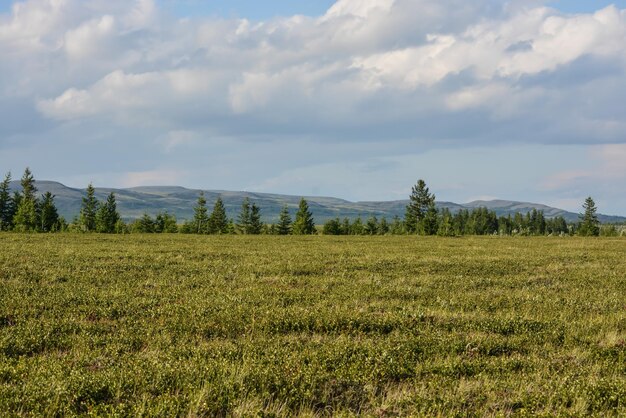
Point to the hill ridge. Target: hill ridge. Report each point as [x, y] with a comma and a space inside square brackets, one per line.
[133, 202]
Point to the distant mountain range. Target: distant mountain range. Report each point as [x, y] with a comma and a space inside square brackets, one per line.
[179, 201]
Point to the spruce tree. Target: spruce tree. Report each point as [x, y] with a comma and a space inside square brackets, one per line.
[304, 223]
[284, 222]
[256, 226]
[6, 204]
[383, 227]
[445, 228]
[429, 224]
[371, 226]
[165, 224]
[420, 201]
[48, 214]
[243, 221]
[590, 225]
[89, 210]
[201, 217]
[218, 219]
[26, 218]
[107, 216]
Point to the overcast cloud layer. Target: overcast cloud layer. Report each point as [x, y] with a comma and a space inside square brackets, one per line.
[506, 99]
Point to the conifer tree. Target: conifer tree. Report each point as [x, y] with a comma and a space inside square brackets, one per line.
[590, 225]
[243, 221]
[428, 225]
[445, 228]
[256, 226]
[371, 226]
[304, 223]
[201, 217]
[357, 227]
[48, 214]
[420, 201]
[165, 224]
[284, 222]
[383, 226]
[26, 218]
[89, 210]
[218, 220]
[6, 204]
[107, 215]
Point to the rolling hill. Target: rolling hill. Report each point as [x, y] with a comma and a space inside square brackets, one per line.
[179, 201]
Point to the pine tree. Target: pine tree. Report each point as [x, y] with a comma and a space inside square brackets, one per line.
[107, 215]
[446, 228]
[6, 204]
[284, 222]
[48, 214]
[371, 226]
[200, 217]
[428, 225]
[256, 226]
[383, 227]
[165, 224]
[243, 221]
[332, 227]
[89, 210]
[420, 201]
[26, 218]
[304, 223]
[590, 225]
[218, 221]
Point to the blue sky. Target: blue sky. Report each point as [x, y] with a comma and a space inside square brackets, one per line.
[482, 99]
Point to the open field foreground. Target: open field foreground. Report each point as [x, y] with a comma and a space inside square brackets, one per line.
[276, 326]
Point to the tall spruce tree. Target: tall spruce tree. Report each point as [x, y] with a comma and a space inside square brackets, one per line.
[284, 222]
[48, 214]
[26, 218]
[201, 217]
[6, 204]
[421, 201]
[107, 216]
[243, 220]
[256, 226]
[304, 223]
[590, 225]
[89, 210]
[218, 221]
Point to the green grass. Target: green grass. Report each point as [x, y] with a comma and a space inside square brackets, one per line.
[278, 326]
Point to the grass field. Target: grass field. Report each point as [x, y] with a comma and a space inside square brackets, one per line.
[277, 326]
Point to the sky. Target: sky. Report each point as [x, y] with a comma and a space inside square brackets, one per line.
[357, 99]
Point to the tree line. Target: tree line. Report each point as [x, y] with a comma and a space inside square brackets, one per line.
[24, 211]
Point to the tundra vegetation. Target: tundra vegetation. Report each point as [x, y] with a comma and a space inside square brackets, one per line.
[232, 325]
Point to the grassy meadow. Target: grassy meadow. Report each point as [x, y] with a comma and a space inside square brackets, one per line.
[172, 325]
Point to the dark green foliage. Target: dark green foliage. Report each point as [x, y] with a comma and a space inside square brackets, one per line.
[7, 210]
[243, 221]
[144, 225]
[107, 216]
[445, 228]
[332, 227]
[200, 216]
[304, 223]
[419, 217]
[26, 218]
[218, 221]
[589, 225]
[48, 215]
[371, 226]
[165, 223]
[89, 210]
[383, 227]
[284, 222]
[357, 227]
[256, 226]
